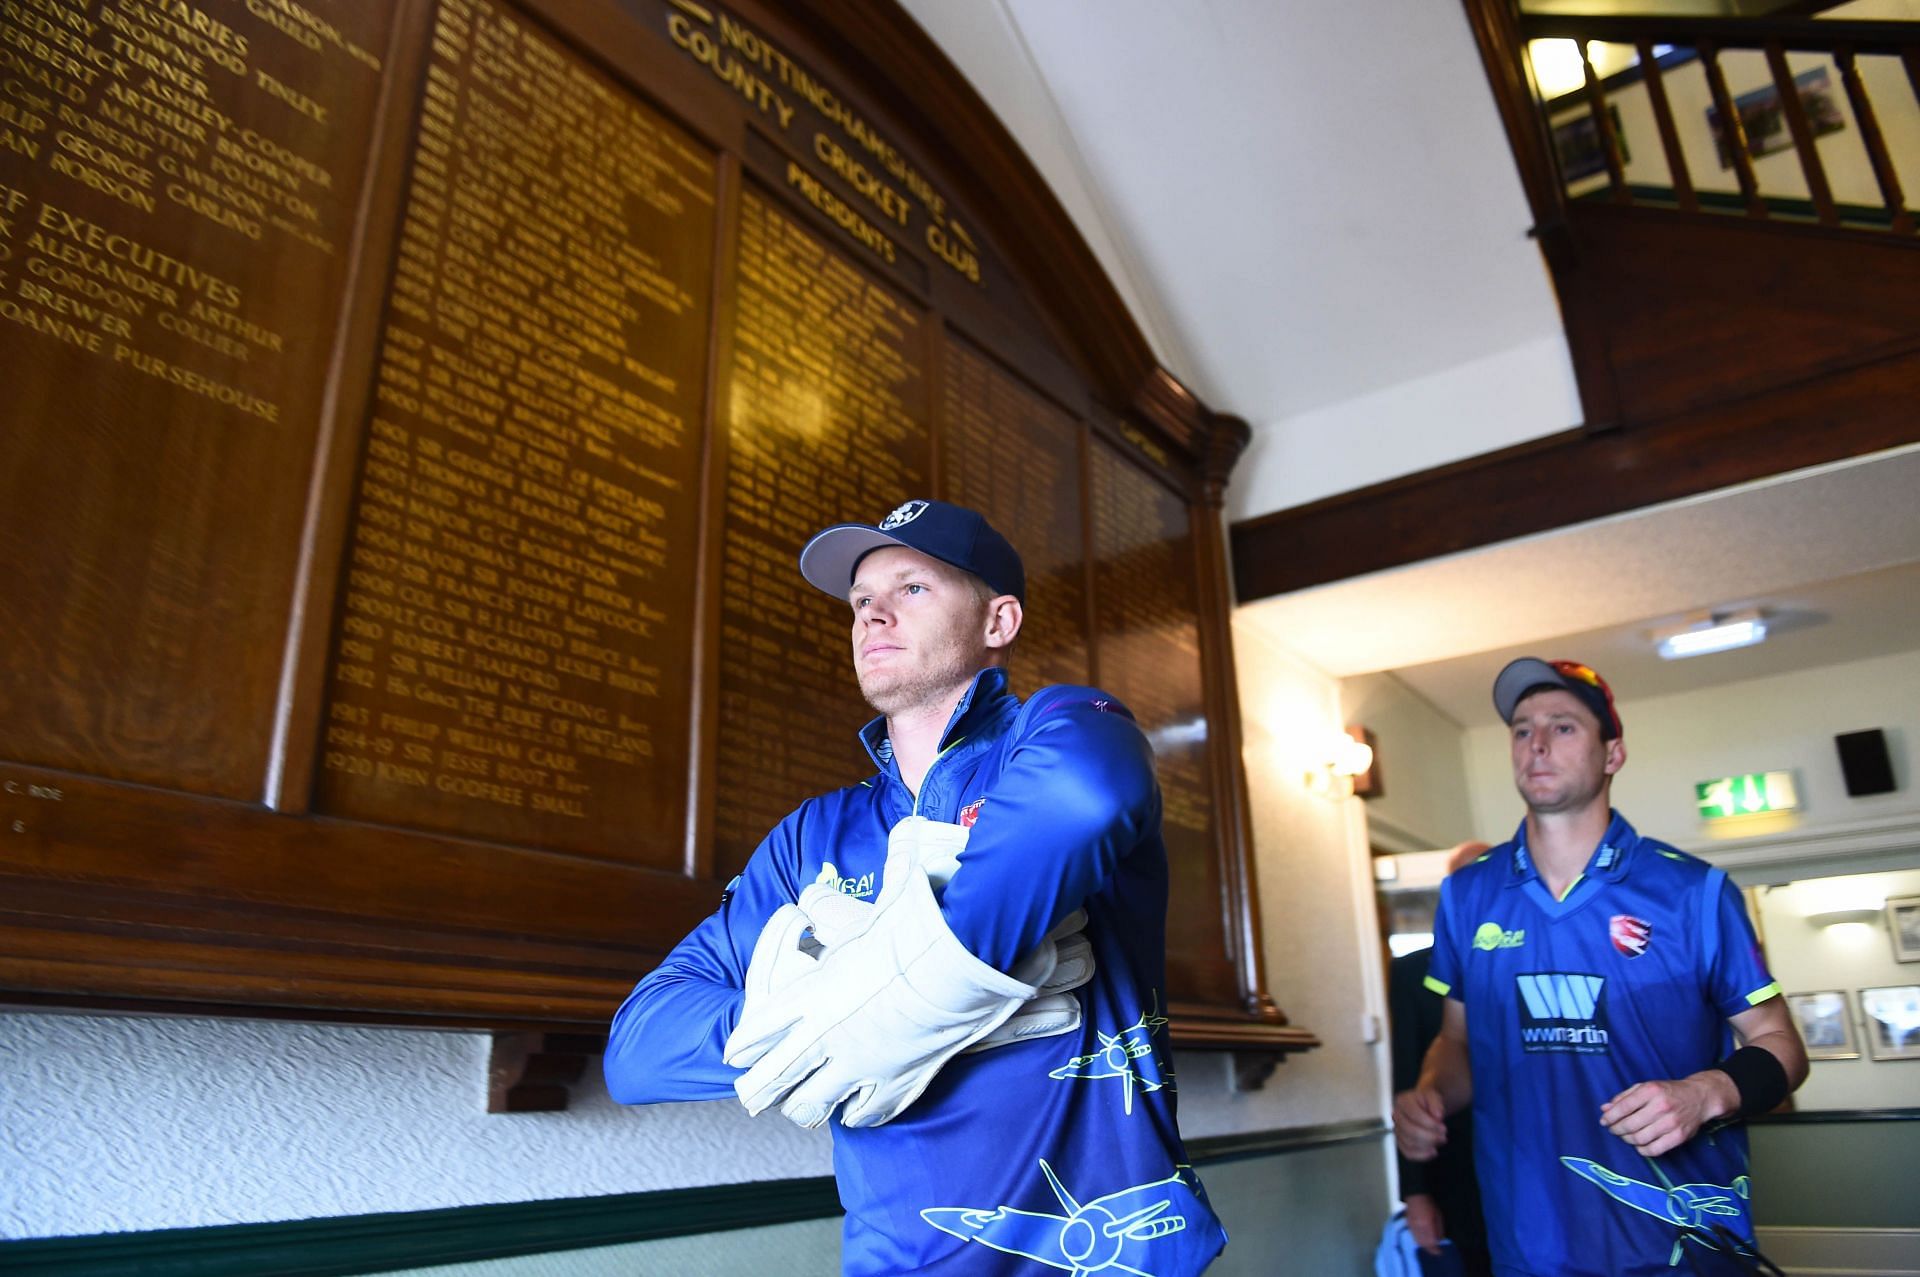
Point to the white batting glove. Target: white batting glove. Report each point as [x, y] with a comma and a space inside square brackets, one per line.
[877, 1018]
[935, 846]
[791, 942]
[796, 939]
[1053, 1010]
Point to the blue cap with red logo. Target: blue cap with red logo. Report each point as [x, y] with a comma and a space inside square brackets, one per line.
[950, 533]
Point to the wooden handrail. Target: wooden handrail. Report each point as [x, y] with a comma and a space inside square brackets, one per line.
[1803, 145]
[1812, 34]
[1739, 154]
[1883, 171]
[1603, 124]
[1669, 134]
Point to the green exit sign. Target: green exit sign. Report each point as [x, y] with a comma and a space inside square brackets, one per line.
[1747, 795]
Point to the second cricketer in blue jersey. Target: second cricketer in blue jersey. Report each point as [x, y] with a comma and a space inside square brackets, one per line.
[1594, 982]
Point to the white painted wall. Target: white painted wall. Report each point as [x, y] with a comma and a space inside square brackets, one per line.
[1767, 724]
[1484, 404]
[1316, 910]
[1424, 803]
[114, 1124]
[1849, 957]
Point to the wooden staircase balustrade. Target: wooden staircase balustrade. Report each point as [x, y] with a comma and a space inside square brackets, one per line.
[1709, 38]
[1901, 221]
[1803, 144]
[1669, 135]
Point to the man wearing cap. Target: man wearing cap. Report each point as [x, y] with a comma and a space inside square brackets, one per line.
[1594, 981]
[959, 961]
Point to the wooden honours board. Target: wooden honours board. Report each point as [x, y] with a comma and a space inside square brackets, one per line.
[414, 413]
[512, 661]
[827, 413]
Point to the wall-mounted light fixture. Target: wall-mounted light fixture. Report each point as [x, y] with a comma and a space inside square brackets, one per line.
[1832, 902]
[1344, 758]
[1837, 917]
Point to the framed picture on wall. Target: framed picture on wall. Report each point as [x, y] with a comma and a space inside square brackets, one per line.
[1577, 142]
[1891, 1018]
[1825, 1024]
[1903, 922]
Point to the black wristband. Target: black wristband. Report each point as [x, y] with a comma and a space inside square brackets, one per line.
[1759, 1078]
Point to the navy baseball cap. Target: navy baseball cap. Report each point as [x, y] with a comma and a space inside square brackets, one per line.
[1530, 674]
[950, 533]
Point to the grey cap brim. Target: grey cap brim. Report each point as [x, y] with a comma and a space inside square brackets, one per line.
[828, 560]
[1513, 682]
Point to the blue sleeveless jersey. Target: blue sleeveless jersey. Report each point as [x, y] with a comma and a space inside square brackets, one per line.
[1052, 1154]
[1630, 977]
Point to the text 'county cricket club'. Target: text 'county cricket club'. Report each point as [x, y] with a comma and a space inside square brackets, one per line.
[1563, 1014]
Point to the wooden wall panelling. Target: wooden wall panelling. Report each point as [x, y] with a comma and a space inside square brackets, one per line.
[288, 783]
[1014, 455]
[704, 784]
[512, 659]
[831, 420]
[1147, 634]
[1230, 437]
[168, 283]
[1706, 309]
[542, 357]
[607, 33]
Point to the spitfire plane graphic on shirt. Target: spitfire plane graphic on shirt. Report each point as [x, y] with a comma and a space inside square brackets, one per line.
[1111, 1234]
[1119, 1056]
[1698, 1208]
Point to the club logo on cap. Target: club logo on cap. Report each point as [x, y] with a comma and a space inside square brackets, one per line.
[903, 515]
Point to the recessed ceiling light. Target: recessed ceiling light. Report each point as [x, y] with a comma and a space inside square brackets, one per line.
[1719, 633]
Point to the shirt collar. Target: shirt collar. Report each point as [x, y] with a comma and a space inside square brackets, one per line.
[1609, 860]
[984, 698]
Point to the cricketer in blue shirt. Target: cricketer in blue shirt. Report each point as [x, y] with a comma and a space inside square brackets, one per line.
[987, 1034]
[1594, 980]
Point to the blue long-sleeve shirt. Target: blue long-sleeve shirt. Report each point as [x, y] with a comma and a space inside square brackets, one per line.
[1063, 1150]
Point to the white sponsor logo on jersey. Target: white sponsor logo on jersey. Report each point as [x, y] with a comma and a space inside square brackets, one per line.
[1562, 1013]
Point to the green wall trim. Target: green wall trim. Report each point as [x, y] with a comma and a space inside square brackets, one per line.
[408, 1239]
[412, 1239]
[1788, 209]
[1235, 1148]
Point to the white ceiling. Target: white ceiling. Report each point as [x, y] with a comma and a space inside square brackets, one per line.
[1832, 553]
[1302, 202]
[1311, 210]
[1824, 623]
